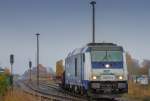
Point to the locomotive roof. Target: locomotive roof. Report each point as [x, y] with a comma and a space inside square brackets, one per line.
[84, 49]
[101, 44]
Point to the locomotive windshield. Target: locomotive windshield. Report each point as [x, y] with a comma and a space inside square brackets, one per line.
[103, 56]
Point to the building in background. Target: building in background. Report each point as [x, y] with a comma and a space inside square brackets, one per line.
[1, 70]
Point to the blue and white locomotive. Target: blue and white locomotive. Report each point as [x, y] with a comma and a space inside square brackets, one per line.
[96, 68]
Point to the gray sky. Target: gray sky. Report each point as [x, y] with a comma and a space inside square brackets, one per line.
[66, 24]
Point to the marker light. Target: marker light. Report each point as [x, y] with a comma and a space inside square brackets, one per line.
[120, 77]
[94, 77]
[107, 65]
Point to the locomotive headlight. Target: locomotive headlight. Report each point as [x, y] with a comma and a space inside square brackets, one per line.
[120, 77]
[94, 77]
[107, 65]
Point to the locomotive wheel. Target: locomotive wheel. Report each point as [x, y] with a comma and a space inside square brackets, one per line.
[81, 91]
[76, 89]
[72, 88]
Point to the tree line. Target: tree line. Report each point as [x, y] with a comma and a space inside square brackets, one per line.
[135, 68]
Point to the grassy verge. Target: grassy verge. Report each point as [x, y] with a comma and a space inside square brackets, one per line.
[18, 95]
[138, 92]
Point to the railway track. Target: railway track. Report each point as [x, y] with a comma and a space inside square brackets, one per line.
[58, 88]
[52, 92]
[48, 94]
[46, 84]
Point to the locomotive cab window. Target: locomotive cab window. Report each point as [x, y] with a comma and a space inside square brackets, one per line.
[107, 59]
[98, 56]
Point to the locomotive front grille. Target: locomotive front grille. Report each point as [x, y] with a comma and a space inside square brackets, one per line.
[107, 84]
[95, 85]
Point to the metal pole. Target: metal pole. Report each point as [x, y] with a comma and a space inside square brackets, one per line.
[30, 74]
[37, 59]
[11, 62]
[12, 77]
[93, 19]
[30, 65]
[11, 69]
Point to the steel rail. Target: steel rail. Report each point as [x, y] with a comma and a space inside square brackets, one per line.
[52, 96]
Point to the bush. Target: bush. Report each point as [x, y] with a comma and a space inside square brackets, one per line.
[3, 84]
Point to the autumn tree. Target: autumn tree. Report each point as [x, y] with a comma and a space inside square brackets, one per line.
[145, 67]
[132, 65]
[7, 71]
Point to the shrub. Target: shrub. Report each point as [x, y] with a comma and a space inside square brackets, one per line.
[3, 84]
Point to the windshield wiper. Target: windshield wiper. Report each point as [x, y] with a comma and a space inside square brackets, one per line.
[107, 56]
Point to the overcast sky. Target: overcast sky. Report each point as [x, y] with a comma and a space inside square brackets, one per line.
[66, 24]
